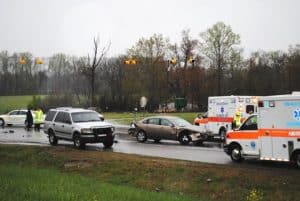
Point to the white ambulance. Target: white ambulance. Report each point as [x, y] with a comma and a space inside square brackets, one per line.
[221, 111]
[272, 134]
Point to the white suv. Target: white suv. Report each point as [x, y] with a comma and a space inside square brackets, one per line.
[78, 125]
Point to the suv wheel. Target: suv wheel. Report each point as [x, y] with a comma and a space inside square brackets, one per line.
[108, 141]
[78, 144]
[52, 138]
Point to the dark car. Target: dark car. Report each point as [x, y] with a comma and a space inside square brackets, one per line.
[165, 127]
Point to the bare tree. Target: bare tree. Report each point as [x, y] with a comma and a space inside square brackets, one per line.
[92, 64]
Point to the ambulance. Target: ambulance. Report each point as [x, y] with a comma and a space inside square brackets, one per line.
[221, 111]
[272, 134]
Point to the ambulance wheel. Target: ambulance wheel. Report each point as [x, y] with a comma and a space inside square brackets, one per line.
[236, 155]
[296, 159]
[222, 134]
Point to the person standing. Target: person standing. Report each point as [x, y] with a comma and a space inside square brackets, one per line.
[38, 119]
[237, 119]
[29, 119]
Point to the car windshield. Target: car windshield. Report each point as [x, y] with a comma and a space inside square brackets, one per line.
[180, 122]
[85, 117]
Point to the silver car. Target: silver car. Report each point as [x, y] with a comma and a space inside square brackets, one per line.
[78, 125]
[166, 127]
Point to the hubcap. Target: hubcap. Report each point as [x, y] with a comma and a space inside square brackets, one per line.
[51, 138]
[141, 136]
[185, 138]
[235, 154]
[77, 142]
[298, 160]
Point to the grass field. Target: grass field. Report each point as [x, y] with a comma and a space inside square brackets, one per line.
[30, 171]
[8, 103]
[29, 183]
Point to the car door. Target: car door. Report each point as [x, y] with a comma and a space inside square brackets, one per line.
[59, 124]
[12, 117]
[248, 134]
[153, 128]
[67, 127]
[167, 130]
[21, 117]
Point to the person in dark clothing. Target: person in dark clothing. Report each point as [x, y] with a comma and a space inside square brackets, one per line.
[29, 119]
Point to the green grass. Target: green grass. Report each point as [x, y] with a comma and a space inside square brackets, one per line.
[8, 103]
[127, 117]
[28, 183]
[141, 175]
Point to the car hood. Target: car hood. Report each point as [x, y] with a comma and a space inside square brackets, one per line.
[192, 128]
[93, 124]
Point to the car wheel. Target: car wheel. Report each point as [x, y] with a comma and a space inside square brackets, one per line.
[52, 138]
[141, 136]
[2, 122]
[78, 144]
[108, 141]
[184, 138]
[236, 155]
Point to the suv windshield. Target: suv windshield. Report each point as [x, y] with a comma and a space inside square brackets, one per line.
[85, 117]
[180, 122]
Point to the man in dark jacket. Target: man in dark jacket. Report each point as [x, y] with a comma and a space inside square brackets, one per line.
[29, 119]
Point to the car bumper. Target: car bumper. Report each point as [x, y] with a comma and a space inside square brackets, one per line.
[93, 138]
[195, 137]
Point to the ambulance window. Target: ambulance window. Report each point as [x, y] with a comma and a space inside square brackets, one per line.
[272, 103]
[250, 124]
[249, 109]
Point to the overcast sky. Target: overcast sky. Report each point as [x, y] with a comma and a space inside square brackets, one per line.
[45, 27]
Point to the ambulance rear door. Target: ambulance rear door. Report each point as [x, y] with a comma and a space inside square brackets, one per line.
[277, 119]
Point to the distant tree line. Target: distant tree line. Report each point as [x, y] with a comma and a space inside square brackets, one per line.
[196, 68]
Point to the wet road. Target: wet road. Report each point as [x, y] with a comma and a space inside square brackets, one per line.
[125, 144]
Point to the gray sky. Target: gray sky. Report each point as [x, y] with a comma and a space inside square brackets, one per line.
[45, 27]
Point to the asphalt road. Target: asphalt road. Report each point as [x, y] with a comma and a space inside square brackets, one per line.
[209, 153]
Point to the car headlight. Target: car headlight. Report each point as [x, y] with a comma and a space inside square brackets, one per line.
[112, 129]
[86, 130]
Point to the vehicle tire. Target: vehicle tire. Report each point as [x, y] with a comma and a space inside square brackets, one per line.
[157, 140]
[78, 144]
[199, 143]
[2, 122]
[235, 154]
[141, 136]
[296, 159]
[184, 138]
[108, 141]
[52, 138]
[222, 134]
